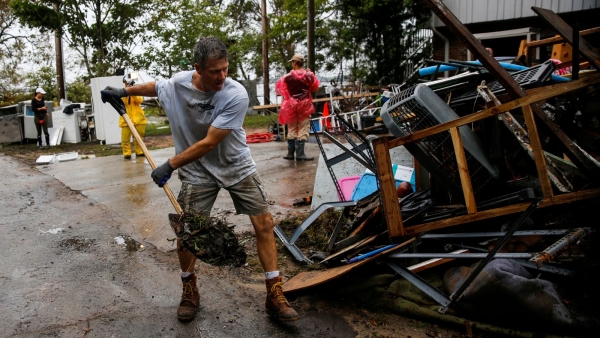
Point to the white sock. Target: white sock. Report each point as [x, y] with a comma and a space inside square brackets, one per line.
[271, 274]
[187, 274]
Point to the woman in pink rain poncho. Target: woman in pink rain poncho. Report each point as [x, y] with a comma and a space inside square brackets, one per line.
[297, 106]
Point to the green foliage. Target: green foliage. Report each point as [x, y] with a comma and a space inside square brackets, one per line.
[44, 77]
[102, 32]
[79, 91]
[375, 36]
[187, 23]
[39, 14]
[287, 34]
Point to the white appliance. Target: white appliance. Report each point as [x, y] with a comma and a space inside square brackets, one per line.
[70, 122]
[105, 117]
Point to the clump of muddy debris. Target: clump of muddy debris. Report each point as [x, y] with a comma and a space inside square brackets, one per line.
[211, 239]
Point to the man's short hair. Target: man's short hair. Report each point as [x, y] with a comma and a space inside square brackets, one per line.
[209, 47]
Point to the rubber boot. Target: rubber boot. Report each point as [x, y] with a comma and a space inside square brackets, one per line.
[47, 141]
[276, 303]
[300, 156]
[39, 142]
[190, 299]
[291, 149]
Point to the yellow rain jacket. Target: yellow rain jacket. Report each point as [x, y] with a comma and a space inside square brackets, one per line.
[134, 111]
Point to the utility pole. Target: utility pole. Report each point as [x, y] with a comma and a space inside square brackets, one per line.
[310, 34]
[265, 53]
[58, 51]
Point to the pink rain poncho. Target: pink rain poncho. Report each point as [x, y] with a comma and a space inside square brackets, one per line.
[295, 87]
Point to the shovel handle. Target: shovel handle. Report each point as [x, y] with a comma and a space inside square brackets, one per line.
[140, 142]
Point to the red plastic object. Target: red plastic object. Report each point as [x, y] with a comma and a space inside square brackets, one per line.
[41, 121]
[260, 137]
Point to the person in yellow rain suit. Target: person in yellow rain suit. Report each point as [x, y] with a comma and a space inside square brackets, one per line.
[137, 117]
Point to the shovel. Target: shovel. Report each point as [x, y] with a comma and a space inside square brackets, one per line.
[209, 239]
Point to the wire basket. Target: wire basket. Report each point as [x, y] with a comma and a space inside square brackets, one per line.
[527, 78]
[418, 108]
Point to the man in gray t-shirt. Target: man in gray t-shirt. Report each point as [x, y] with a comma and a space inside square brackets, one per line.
[206, 111]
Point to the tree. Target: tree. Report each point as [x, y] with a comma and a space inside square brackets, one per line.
[12, 49]
[79, 91]
[45, 77]
[376, 36]
[288, 31]
[175, 42]
[104, 33]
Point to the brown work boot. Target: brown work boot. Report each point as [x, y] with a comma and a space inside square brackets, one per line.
[276, 304]
[190, 299]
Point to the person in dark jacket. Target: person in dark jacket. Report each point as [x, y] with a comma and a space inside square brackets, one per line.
[41, 116]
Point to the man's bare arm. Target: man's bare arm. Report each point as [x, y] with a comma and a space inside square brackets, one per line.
[146, 89]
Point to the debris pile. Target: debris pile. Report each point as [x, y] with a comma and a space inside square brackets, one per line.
[508, 158]
[211, 239]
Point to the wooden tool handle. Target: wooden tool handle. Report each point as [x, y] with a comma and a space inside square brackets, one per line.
[139, 140]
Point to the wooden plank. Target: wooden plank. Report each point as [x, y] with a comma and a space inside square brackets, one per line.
[309, 279]
[323, 99]
[559, 39]
[587, 50]
[351, 247]
[463, 170]
[511, 209]
[431, 263]
[583, 162]
[538, 153]
[550, 92]
[391, 207]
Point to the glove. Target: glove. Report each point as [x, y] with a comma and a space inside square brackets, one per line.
[112, 92]
[162, 173]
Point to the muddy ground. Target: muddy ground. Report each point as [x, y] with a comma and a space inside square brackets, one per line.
[69, 269]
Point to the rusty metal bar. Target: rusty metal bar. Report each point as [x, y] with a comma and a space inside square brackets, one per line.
[551, 252]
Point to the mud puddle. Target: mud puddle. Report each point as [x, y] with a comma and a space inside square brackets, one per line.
[128, 243]
[77, 244]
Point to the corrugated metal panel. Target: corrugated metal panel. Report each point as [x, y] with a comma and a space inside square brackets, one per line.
[472, 11]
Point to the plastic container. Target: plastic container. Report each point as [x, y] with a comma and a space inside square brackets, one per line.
[347, 185]
[368, 182]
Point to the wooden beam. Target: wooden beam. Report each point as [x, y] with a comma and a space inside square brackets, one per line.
[511, 209]
[549, 92]
[538, 154]
[323, 99]
[463, 171]
[588, 52]
[387, 185]
[559, 39]
[581, 160]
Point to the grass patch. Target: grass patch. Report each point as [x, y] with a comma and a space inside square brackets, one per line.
[157, 129]
[258, 121]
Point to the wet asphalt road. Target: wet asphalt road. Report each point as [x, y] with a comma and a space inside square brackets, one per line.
[72, 266]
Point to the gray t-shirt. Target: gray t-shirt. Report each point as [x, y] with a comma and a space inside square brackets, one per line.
[191, 112]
